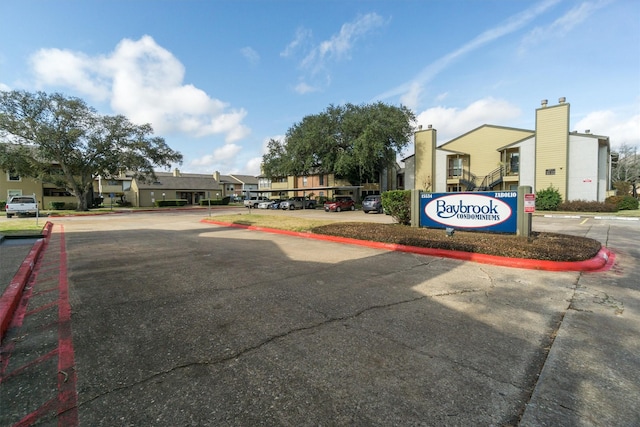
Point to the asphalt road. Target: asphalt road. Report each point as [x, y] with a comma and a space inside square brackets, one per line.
[177, 322]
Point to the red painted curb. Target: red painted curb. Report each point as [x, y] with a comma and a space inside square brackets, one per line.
[11, 296]
[601, 262]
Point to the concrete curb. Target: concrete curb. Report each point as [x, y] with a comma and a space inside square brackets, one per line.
[11, 297]
[601, 262]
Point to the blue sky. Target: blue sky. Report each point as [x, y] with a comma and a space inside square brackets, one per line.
[217, 79]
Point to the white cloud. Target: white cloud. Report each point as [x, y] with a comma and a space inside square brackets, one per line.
[251, 55]
[253, 166]
[221, 159]
[4, 87]
[144, 82]
[75, 70]
[337, 48]
[620, 130]
[453, 122]
[303, 88]
[561, 26]
[302, 35]
[511, 25]
[411, 99]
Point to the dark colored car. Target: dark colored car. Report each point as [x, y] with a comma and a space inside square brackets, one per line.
[372, 204]
[340, 203]
[297, 203]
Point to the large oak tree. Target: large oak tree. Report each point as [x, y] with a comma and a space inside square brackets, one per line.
[63, 141]
[355, 142]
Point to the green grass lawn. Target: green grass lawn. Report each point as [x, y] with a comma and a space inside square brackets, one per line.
[20, 226]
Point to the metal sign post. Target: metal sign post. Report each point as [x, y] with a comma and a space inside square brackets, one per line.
[526, 206]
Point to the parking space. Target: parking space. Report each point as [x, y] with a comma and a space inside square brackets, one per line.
[176, 322]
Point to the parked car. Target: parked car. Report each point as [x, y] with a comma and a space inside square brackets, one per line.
[253, 202]
[297, 203]
[21, 205]
[340, 203]
[266, 205]
[372, 204]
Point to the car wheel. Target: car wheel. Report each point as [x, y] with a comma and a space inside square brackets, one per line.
[338, 209]
[9, 215]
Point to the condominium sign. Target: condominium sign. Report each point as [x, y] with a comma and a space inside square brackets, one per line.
[482, 211]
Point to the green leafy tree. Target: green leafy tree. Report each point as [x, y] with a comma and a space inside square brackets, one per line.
[61, 140]
[355, 142]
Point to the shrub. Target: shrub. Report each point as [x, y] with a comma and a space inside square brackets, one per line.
[623, 202]
[171, 202]
[397, 203]
[548, 200]
[586, 206]
[56, 205]
[224, 201]
[3, 203]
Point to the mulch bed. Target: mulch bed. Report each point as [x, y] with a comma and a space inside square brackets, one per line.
[542, 246]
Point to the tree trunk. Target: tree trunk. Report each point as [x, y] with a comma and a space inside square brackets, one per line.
[81, 197]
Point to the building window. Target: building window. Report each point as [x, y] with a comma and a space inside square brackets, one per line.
[55, 192]
[455, 166]
[13, 176]
[304, 181]
[12, 193]
[321, 179]
[550, 172]
[513, 162]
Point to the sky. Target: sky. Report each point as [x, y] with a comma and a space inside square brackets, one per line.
[217, 79]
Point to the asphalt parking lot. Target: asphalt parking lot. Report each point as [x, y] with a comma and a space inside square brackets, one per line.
[177, 322]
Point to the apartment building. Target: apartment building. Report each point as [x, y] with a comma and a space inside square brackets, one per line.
[497, 158]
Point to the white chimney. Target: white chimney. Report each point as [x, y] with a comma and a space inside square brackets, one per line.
[562, 100]
[544, 102]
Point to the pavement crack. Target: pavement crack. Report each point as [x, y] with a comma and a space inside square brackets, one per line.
[238, 354]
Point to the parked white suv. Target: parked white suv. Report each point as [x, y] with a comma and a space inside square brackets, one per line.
[253, 202]
[21, 205]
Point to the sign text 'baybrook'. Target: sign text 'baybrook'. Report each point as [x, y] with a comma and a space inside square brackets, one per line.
[487, 211]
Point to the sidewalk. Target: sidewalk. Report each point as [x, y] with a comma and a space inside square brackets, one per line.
[37, 368]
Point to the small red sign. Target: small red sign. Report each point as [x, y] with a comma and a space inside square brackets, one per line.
[529, 203]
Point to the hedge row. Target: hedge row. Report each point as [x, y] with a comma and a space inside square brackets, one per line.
[212, 202]
[171, 202]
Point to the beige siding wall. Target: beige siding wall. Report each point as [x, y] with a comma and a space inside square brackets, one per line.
[482, 145]
[425, 143]
[24, 186]
[552, 148]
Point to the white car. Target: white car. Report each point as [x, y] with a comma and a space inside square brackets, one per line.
[265, 205]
